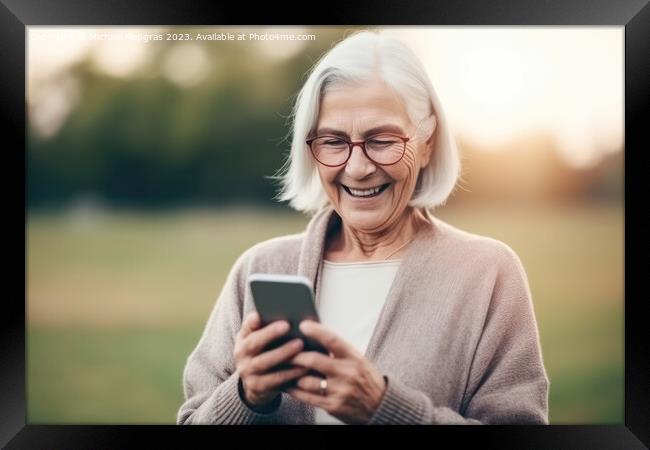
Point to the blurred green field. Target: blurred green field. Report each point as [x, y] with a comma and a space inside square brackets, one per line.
[117, 301]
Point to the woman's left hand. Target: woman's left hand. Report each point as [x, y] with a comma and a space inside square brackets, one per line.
[354, 386]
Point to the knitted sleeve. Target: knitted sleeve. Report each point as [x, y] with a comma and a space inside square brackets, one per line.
[507, 382]
[210, 379]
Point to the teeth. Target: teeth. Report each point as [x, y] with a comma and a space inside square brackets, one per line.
[364, 193]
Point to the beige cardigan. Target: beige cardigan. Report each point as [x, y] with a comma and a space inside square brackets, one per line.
[457, 338]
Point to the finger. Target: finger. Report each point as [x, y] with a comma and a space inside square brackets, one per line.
[259, 339]
[317, 361]
[307, 397]
[310, 383]
[327, 338]
[251, 323]
[267, 360]
[274, 380]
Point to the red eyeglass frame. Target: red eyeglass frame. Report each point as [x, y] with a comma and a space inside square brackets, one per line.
[362, 144]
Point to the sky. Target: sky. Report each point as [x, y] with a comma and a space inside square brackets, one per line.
[498, 83]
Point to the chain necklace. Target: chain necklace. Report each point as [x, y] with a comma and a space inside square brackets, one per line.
[399, 248]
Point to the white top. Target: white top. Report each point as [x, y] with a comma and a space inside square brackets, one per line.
[351, 297]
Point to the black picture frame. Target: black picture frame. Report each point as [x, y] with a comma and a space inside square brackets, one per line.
[634, 15]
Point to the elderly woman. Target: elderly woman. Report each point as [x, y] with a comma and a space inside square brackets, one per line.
[425, 323]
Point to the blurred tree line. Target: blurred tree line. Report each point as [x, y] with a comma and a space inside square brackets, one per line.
[144, 141]
[531, 169]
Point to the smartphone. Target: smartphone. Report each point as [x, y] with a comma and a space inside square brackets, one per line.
[285, 297]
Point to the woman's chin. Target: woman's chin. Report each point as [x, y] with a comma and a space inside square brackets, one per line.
[363, 219]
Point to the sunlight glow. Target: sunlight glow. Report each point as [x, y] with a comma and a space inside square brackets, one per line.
[497, 83]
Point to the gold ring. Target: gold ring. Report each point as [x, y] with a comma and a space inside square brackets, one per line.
[323, 386]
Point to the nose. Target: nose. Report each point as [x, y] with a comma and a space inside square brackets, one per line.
[359, 166]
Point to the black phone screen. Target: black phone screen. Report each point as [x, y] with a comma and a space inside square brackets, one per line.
[292, 301]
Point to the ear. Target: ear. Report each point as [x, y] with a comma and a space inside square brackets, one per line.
[429, 145]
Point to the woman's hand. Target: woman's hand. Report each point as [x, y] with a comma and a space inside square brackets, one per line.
[260, 383]
[355, 387]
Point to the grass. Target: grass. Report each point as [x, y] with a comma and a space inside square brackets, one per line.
[118, 376]
[116, 303]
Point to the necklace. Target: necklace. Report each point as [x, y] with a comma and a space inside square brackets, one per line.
[398, 249]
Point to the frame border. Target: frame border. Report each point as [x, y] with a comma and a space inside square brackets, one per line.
[634, 15]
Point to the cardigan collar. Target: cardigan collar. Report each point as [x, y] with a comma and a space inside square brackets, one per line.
[414, 265]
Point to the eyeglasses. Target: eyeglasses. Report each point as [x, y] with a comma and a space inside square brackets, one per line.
[384, 149]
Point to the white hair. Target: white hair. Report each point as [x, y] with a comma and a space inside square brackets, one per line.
[355, 59]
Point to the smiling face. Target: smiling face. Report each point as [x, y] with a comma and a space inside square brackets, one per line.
[357, 111]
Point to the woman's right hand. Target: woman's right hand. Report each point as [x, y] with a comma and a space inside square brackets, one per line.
[260, 383]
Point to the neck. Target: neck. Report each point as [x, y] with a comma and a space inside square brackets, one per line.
[378, 244]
